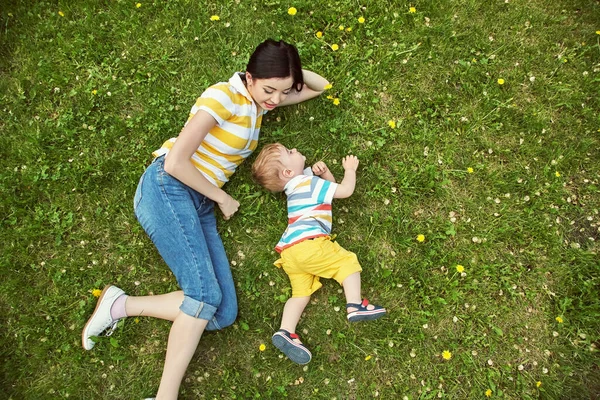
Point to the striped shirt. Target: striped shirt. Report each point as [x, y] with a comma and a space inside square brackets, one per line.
[234, 137]
[309, 209]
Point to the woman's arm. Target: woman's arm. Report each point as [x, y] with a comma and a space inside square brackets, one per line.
[314, 84]
[179, 165]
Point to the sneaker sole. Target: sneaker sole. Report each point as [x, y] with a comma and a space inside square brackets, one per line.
[297, 354]
[366, 317]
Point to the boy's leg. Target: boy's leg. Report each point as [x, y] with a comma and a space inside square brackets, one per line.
[286, 339]
[352, 288]
[357, 309]
[292, 311]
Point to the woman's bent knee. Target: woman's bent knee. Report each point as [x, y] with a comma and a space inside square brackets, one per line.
[197, 309]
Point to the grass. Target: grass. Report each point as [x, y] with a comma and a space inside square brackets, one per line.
[90, 89]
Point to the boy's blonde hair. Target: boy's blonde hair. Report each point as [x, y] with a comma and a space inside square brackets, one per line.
[267, 167]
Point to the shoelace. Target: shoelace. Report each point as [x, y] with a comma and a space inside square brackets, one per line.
[112, 328]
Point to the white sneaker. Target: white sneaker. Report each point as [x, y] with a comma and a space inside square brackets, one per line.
[101, 319]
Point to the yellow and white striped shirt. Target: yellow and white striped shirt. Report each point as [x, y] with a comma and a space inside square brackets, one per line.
[234, 137]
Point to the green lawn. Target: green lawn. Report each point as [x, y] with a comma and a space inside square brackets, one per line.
[477, 124]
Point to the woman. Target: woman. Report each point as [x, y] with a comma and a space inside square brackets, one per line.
[175, 199]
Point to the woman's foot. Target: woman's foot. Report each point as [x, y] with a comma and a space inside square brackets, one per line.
[291, 346]
[101, 318]
[364, 311]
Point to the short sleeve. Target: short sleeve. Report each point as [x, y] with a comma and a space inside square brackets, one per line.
[216, 100]
[323, 190]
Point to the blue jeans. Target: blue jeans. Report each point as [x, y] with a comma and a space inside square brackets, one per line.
[182, 224]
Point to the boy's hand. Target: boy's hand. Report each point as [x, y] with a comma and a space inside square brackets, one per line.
[319, 168]
[350, 163]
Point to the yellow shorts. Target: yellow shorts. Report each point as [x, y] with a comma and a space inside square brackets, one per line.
[310, 260]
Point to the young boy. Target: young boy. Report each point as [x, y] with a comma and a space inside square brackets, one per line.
[306, 249]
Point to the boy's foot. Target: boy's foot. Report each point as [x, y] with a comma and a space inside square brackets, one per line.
[101, 318]
[364, 311]
[291, 346]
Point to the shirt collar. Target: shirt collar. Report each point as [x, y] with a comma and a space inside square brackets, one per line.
[292, 183]
[237, 82]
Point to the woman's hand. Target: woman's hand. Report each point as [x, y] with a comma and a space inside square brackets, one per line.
[229, 206]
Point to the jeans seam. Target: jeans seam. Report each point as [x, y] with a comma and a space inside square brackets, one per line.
[162, 173]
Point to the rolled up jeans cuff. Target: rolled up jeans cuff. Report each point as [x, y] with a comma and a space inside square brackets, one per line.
[197, 309]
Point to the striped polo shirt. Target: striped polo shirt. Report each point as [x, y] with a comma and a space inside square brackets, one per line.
[309, 209]
[234, 137]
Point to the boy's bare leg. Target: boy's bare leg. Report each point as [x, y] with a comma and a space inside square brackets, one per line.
[352, 288]
[352, 291]
[292, 311]
[163, 306]
[183, 340]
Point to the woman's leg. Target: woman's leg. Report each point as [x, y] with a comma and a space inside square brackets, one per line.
[169, 213]
[228, 309]
[183, 340]
[163, 306]
[166, 306]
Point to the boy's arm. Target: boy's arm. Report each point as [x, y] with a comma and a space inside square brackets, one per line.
[346, 187]
[321, 170]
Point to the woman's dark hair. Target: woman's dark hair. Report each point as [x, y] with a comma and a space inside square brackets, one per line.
[273, 59]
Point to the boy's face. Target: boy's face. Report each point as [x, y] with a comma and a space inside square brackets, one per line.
[292, 160]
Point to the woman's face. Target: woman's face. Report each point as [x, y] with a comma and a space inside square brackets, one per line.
[268, 93]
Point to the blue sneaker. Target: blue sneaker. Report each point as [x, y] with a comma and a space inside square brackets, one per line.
[363, 313]
[291, 346]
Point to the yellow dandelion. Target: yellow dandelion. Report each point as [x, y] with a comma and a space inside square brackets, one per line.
[446, 355]
[538, 383]
[488, 393]
[367, 358]
[500, 81]
[470, 170]
[335, 47]
[62, 14]
[292, 11]
[559, 320]
[341, 27]
[94, 92]
[138, 5]
[136, 320]
[330, 97]
[412, 10]
[349, 29]
[460, 268]
[319, 34]
[214, 18]
[420, 238]
[96, 292]
[328, 86]
[557, 174]
[392, 124]
[336, 102]
[262, 347]
[361, 20]
[597, 32]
